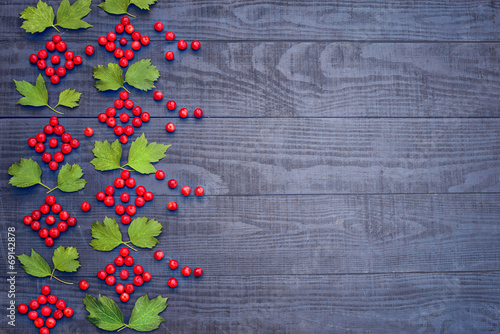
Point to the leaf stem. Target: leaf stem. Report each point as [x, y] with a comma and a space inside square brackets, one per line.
[52, 273]
[122, 167]
[62, 281]
[56, 28]
[132, 248]
[124, 82]
[130, 14]
[50, 190]
[122, 328]
[55, 110]
[44, 185]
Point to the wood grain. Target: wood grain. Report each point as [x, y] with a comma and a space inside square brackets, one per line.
[397, 303]
[311, 156]
[296, 20]
[285, 79]
[276, 235]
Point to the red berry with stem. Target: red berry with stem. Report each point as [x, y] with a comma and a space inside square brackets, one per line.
[198, 113]
[199, 191]
[159, 255]
[101, 274]
[110, 280]
[186, 190]
[77, 60]
[124, 274]
[110, 269]
[119, 28]
[172, 206]
[119, 288]
[129, 28]
[58, 314]
[186, 271]
[22, 308]
[170, 127]
[138, 281]
[129, 288]
[183, 113]
[89, 50]
[123, 62]
[198, 272]
[61, 46]
[119, 261]
[169, 55]
[124, 117]
[85, 206]
[195, 45]
[111, 122]
[68, 311]
[129, 261]
[160, 175]
[83, 284]
[124, 20]
[124, 197]
[102, 40]
[169, 36]
[172, 282]
[109, 201]
[129, 54]
[88, 131]
[138, 269]
[124, 251]
[55, 79]
[158, 26]
[173, 264]
[172, 183]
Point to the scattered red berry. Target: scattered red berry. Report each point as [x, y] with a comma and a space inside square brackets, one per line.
[88, 131]
[101, 274]
[119, 209]
[85, 206]
[182, 45]
[124, 251]
[58, 314]
[198, 113]
[138, 269]
[89, 50]
[46, 311]
[50, 71]
[61, 304]
[32, 315]
[199, 191]
[129, 261]
[50, 45]
[61, 46]
[171, 105]
[186, 190]
[145, 40]
[159, 255]
[172, 282]
[52, 299]
[39, 322]
[129, 28]
[102, 40]
[146, 276]
[124, 297]
[119, 182]
[138, 281]
[197, 272]
[33, 58]
[157, 95]
[186, 271]
[135, 45]
[123, 41]
[123, 62]
[61, 71]
[22, 308]
[169, 55]
[119, 28]
[125, 219]
[129, 54]
[42, 54]
[124, 197]
[83, 284]
[110, 46]
[125, 20]
[119, 288]
[170, 127]
[55, 79]
[124, 274]
[77, 60]
[160, 175]
[195, 45]
[34, 304]
[129, 288]
[110, 280]
[109, 201]
[110, 269]
[183, 113]
[172, 183]
[158, 26]
[173, 264]
[169, 36]
[172, 206]
[130, 182]
[68, 311]
[119, 261]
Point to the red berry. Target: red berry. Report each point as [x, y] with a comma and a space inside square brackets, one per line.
[65, 137]
[182, 45]
[123, 95]
[56, 38]
[77, 60]
[100, 196]
[50, 45]
[124, 274]
[129, 261]
[36, 215]
[171, 105]
[172, 206]
[42, 54]
[198, 113]
[146, 276]
[74, 143]
[55, 79]
[66, 148]
[137, 122]
[63, 215]
[138, 269]
[173, 264]
[124, 297]
[170, 127]
[53, 142]
[159, 255]
[58, 129]
[129, 288]
[34, 304]
[118, 104]
[85, 206]
[54, 233]
[172, 282]
[129, 54]
[110, 190]
[148, 196]
[111, 36]
[101, 274]
[55, 59]
[118, 130]
[50, 71]
[27, 220]
[129, 28]
[52, 299]
[109, 201]
[172, 183]
[123, 41]
[46, 157]
[58, 314]
[119, 261]
[195, 45]
[158, 26]
[169, 36]
[102, 117]
[43, 233]
[68, 311]
[135, 45]
[145, 40]
[61, 71]
[128, 104]
[69, 64]
[119, 288]
[35, 225]
[119, 209]
[61, 46]
[160, 175]
[50, 220]
[183, 112]
[128, 130]
[110, 46]
[125, 20]
[102, 40]
[88, 131]
[199, 191]
[119, 28]
[69, 55]
[119, 182]
[22, 308]
[169, 55]
[111, 122]
[39, 322]
[50, 323]
[136, 36]
[83, 284]
[186, 190]
[34, 58]
[125, 219]
[56, 208]
[130, 182]
[58, 157]
[110, 269]
[111, 112]
[110, 280]
[119, 53]
[124, 251]
[32, 315]
[89, 50]
[54, 121]
[61, 304]
[46, 311]
[140, 190]
[145, 117]
[41, 64]
[138, 281]
[124, 117]
[186, 271]
[125, 174]
[42, 299]
[123, 62]
[131, 209]
[53, 165]
[62, 226]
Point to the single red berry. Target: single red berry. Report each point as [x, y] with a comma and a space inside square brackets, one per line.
[69, 64]
[88, 131]
[159, 255]
[52, 299]
[55, 79]
[129, 54]
[170, 127]
[110, 280]
[160, 175]
[123, 41]
[136, 36]
[145, 40]
[63, 215]
[125, 174]
[42, 54]
[77, 60]
[124, 117]
[129, 288]
[128, 104]
[110, 269]
[61, 71]
[68, 311]
[128, 130]
[32, 315]
[50, 45]
[46, 157]
[58, 314]
[182, 45]
[58, 129]
[183, 112]
[138, 269]
[186, 190]
[119, 261]
[66, 137]
[43, 233]
[145, 117]
[35, 225]
[125, 219]
[123, 62]
[58, 157]
[50, 71]
[110, 46]
[56, 208]
[169, 55]
[119, 288]
[110, 112]
[42, 299]
[125, 197]
[129, 28]
[186, 271]
[172, 183]
[40, 137]
[111, 122]
[69, 55]
[56, 38]
[100, 196]
[118, 103]
[124, 274]
[27, 220]
[123, 139]
[61, 304]
[131, 209]
[101, 274]
[195, 45]
[74, 143]
[169, 36]
[199, 191]
[54, 233]
[46, 311]
[54, 121]
[119, 28]
[138, 281]
[41, 64]
[124, 251]
[111, 36]
[109, 201]
[137, 122]
[130, 182]
[50, 323]
[33, 58]
[148, 196]
[53, 142]
[125, 20]
[83, 284]
[61, 46]
[173, 264]
[198, 113]
[118, 130]
[171, 105]
[172, 206]
[146, 276]
[135, 45]
[118, 53]
[50, 220]
[32, 142]
[66, 148]
[119, 209]
[102, 40]
[109, 190]
[124, 297]
[123, 95]
[102, 117]
[39, 322]
[53, 165]
[62, 226]
[119, 182]
[22, 308]
[158, 26]
[36, 215]
[140, 190]
[34, 304]
[172, 282]
[129, 261]
[89, 50]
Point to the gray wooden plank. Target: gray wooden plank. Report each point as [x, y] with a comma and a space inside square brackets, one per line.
[285, 79]
[397, 303]
[276, 235]
[298, 20]
[286, 156]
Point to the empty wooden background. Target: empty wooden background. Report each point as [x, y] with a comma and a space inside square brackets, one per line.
[350, 153]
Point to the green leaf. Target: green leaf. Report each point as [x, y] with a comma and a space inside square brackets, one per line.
[142, 232]
[115, 6]
[141, 155]
[69, 98]
[108, 78]
[69, 178]
[107, 235]
[35, 96]
[34, 265]
[143, 4]
[70, 16]
[145, 315]
[142, 75]
[103, 313]
[107, 156]
[65, 259]
[27, 173]
[37, 19]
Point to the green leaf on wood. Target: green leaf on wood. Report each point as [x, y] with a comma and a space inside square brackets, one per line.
[65, 259]
[34, 265]
[145, 315]
[108, 78]
[107, 235]
[35, 96]
[69, 98]
[37, 19]
[70, 16]
[107, 156]
[141, 155]
[25, 174]
[143, 4]
[142, 232]
[103, 313]
[117, 7]
[69, 178]
[142, 75]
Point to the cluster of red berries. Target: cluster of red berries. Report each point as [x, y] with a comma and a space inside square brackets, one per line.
[181, 44]
[124, 290]
[58, 44]
[49, 235]
[173, 264]
[69, 143]
[124, 131]
[143, 196]
[45, 311]
[138, 40]
[186, 190]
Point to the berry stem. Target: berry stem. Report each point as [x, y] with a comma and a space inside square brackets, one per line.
[132, 16]
[55, 110]
[122, 167]
[56, 28]
[45, 186]
[50, 190]
[125, 88]
[132, 248]
[124, 326]
[52, 275]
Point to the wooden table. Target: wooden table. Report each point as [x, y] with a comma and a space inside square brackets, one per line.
[350, 153]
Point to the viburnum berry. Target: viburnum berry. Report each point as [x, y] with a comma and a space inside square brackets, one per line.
[183, 112]
[159, 255]
[148, 196]
[58, 156]
[199, 191]
[124, 274]
[136, 111]
[77, 60]
[198, 113]
[50, 45]
[119, 28]
[125, 219]
[89, 50]
[83, 284]
[36, 215]
[42, 299]
[66, 148]
[100, 196]
[182, 44]
[123, 95]
[110, 46]
[61, 71]
[49, 242]
[124, 197]
[123, 41]
[186, 190]
[124, 20]
[137, 122]
[118, 104]
[118, 53]
[56, 38]
[34, 58]
[32, 142]
[172, 282]
[88, 131]
[131, 209]
[110, 269]
[140, 190]
[35, 225]
[101, 274]
[129, 288]
[53, 142]
[158, 26]
[55, 59]
[124, 251]
[54, 121]
[55, 79]
[169, 55]
[42, 54]
[54, 233]
[146, 276]
[130, 183]
[118, 130]
[102, 117]
[173, 264]
[63, 215]
[129, 54]
[40, 137]
[74, 143]
[172, 183]
[50, 71]
[56, 208]
[52, 299]
[61, 46]
[125, 174]
[123, 62]
[111, 122]
[129, 28]
[62, 226]
[111, 36]
[46, 311]
[32, 315]
[119, 182]
[109, 201]
[128, 130]
[195, 45]
[171, 105]
[58, 129]
[170, 127]
[58, 314]
[22, 308]
[129, 261]
[136, 36]
[102, 40]
[119, 261]
[135, 45]
[68, 311]
[160, 175]
[145, 117]
[69, 55]
[27, 220]
[128, 104]
[34, 304]
[41, 64]
[186, 271]
[110, 112]
[124, 297]
[50, 323]
[119, 288]
[119, 209]
[172, 206]
[110, 280]
[138, 281]
[124, 117]
[43, 233]
[109, 190]
[66, 137]
[53, 165]
[39, 322]
[145, 40]
[169, 36]
[46, 157]
[138, 269]
[50, 220]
